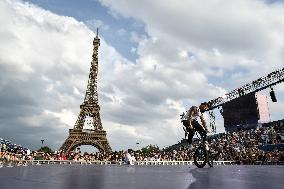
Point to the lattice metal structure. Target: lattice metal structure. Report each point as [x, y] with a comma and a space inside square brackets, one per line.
[269, 80]
[212, 121]
[90, 108]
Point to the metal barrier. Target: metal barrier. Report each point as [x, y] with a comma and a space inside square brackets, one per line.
[65, 162]
[72, 162]
[139, 163]
[268, 163]
[41, 162]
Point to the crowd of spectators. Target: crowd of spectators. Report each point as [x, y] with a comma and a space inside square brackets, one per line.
[240, 147]
[243, 146]
[10, 152]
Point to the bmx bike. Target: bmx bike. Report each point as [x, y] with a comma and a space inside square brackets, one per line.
[202, 154]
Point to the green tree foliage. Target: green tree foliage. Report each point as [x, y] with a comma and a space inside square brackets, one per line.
[150, 149]
[45, 149]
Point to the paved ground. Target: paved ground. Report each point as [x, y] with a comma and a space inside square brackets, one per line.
[136, 177]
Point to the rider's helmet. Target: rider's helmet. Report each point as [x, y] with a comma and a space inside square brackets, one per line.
[203, 107]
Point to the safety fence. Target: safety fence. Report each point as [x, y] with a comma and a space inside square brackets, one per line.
[72, 162]
[140, 163]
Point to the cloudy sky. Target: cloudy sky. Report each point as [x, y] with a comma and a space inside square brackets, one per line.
[156, 59]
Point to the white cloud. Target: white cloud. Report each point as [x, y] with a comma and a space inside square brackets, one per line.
[195, 50]
[183, 54]
[94, 24]
[121, 32]
[45, 60]
[65, 116]
[44, 66]
[133, 50]
[135, 37]
[229, 26]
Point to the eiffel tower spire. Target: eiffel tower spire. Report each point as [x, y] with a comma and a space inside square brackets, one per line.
[91, 97]
[90, 108]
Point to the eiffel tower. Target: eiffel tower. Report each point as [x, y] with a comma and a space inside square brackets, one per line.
[89, 115]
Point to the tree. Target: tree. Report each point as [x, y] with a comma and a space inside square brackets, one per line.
[45, 149]
[150, 149]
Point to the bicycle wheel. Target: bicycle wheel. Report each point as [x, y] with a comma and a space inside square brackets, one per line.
[200, 157]
[210, 159]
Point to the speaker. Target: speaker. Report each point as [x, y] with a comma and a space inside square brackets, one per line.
[272, 96]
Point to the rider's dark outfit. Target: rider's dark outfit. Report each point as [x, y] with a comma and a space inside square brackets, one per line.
[195, 124]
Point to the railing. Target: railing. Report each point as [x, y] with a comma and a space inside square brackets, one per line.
[178, 162]
[140, 163]
[72, 162]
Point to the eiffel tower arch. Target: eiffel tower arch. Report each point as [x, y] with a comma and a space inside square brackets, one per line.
[89, 114]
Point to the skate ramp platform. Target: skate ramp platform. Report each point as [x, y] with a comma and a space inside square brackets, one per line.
[141, 177]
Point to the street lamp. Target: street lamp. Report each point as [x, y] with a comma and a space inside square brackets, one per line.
[137, 145]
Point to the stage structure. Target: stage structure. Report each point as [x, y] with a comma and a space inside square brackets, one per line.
[270, 80]
[246, 112]
[89, 115]
[262, 83]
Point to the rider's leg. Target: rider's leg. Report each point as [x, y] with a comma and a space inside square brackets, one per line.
[191, 133]
[200, 130]
[185, 132]
[188, 132]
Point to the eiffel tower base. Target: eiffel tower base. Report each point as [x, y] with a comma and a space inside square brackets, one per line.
[78, 137]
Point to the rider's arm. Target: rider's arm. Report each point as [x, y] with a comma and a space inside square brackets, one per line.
[203, 121]
[189, 119]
